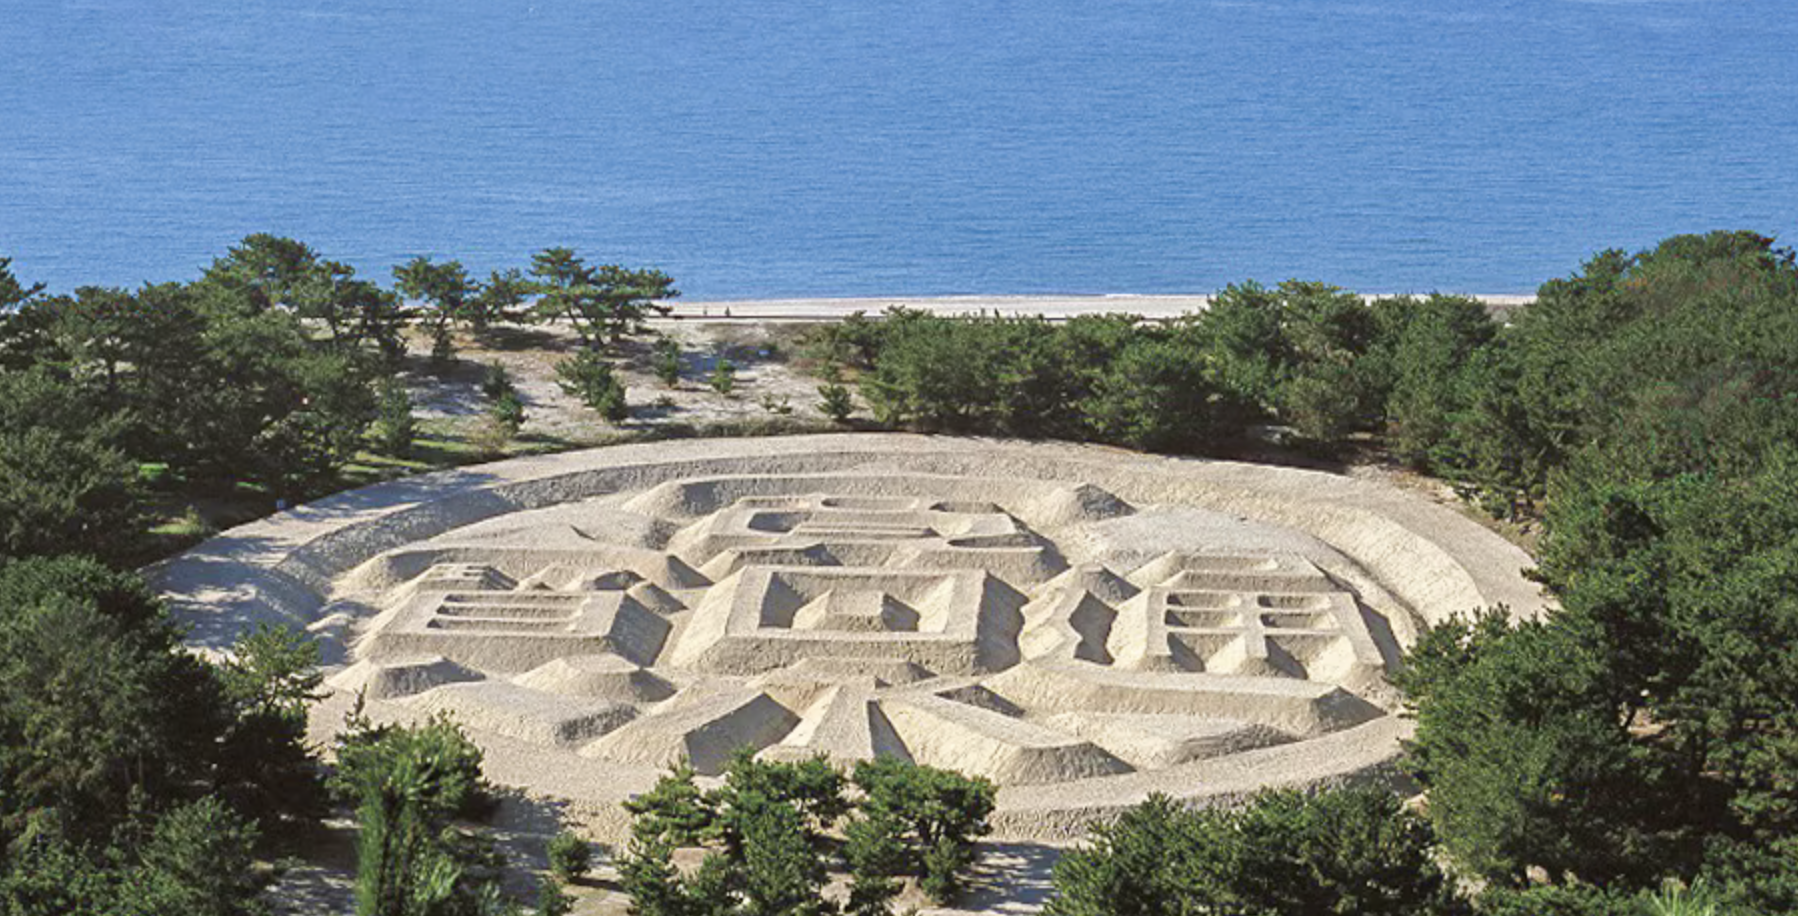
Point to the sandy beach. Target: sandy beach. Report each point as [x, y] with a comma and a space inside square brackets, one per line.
[1051, 307]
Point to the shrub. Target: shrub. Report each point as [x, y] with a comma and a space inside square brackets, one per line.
[395, 427]
[496, 382]
[408, 783]
[837, 403]
[936, 816]
[1339, 851]
[64, 487]
[100, 703]
[199, 861]
[724, 376]
[507, 410]
[588, 377]
[552, 900]
[267, 769]
[490, 437]
[570, 857]
[665, 359]
[372, 759]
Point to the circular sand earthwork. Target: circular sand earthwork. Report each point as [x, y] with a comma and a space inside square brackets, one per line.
[1081, 625]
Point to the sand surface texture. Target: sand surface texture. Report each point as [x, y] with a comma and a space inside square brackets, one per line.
[1082, 625]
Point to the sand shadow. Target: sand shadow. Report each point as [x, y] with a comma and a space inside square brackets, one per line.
[1010, 878]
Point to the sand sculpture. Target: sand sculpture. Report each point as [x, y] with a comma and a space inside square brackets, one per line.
[1081, 625]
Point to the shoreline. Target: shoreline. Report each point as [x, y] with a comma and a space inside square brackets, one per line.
[1055, 308]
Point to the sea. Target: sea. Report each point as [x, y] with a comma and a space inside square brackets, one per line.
[793, 148]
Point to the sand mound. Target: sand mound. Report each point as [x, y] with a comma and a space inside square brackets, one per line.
[1082, 503]
[528, 715]
[399, 677]
[1159, 741]
[606, 677]
[979, 742]
[1298, 707]
[843, 723]
[704, 733]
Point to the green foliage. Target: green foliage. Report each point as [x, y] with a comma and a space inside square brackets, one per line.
[1675, 899]
[267, 273]
[1295, 351]
[1339, 851]
[812, 788]
[395, 427]
[1685, 586]
[836, 401]
[963, 376]
[507, 412]
[769, 818]
[499, 300]
[44, 875]
[273, 669]
[301, 453]
[552, 900]
[1417, 362]
[724, 376]
[1645, 731]
[195, 858]
[938, 815]
[200, 861]
[782, 874]
[1153, 394]
[97, 706]
[665, 360]
[769, 823]
[601, 303]
[64, 487]
[1244, 345]
[447, 291]
[201, 377]
[1525, 751]
[877, 853]
[589, 377]
[496, 382]
[266, 768]
[570, 857]
[1104, 378]
[855, 340]
[1558, 900]
[647, 876]
[263, 270]
[408, 783]
[438, 755]
[675, 812]
[13, 292]
[1673, 360]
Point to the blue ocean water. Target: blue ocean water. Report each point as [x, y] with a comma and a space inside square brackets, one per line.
[811, 147]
